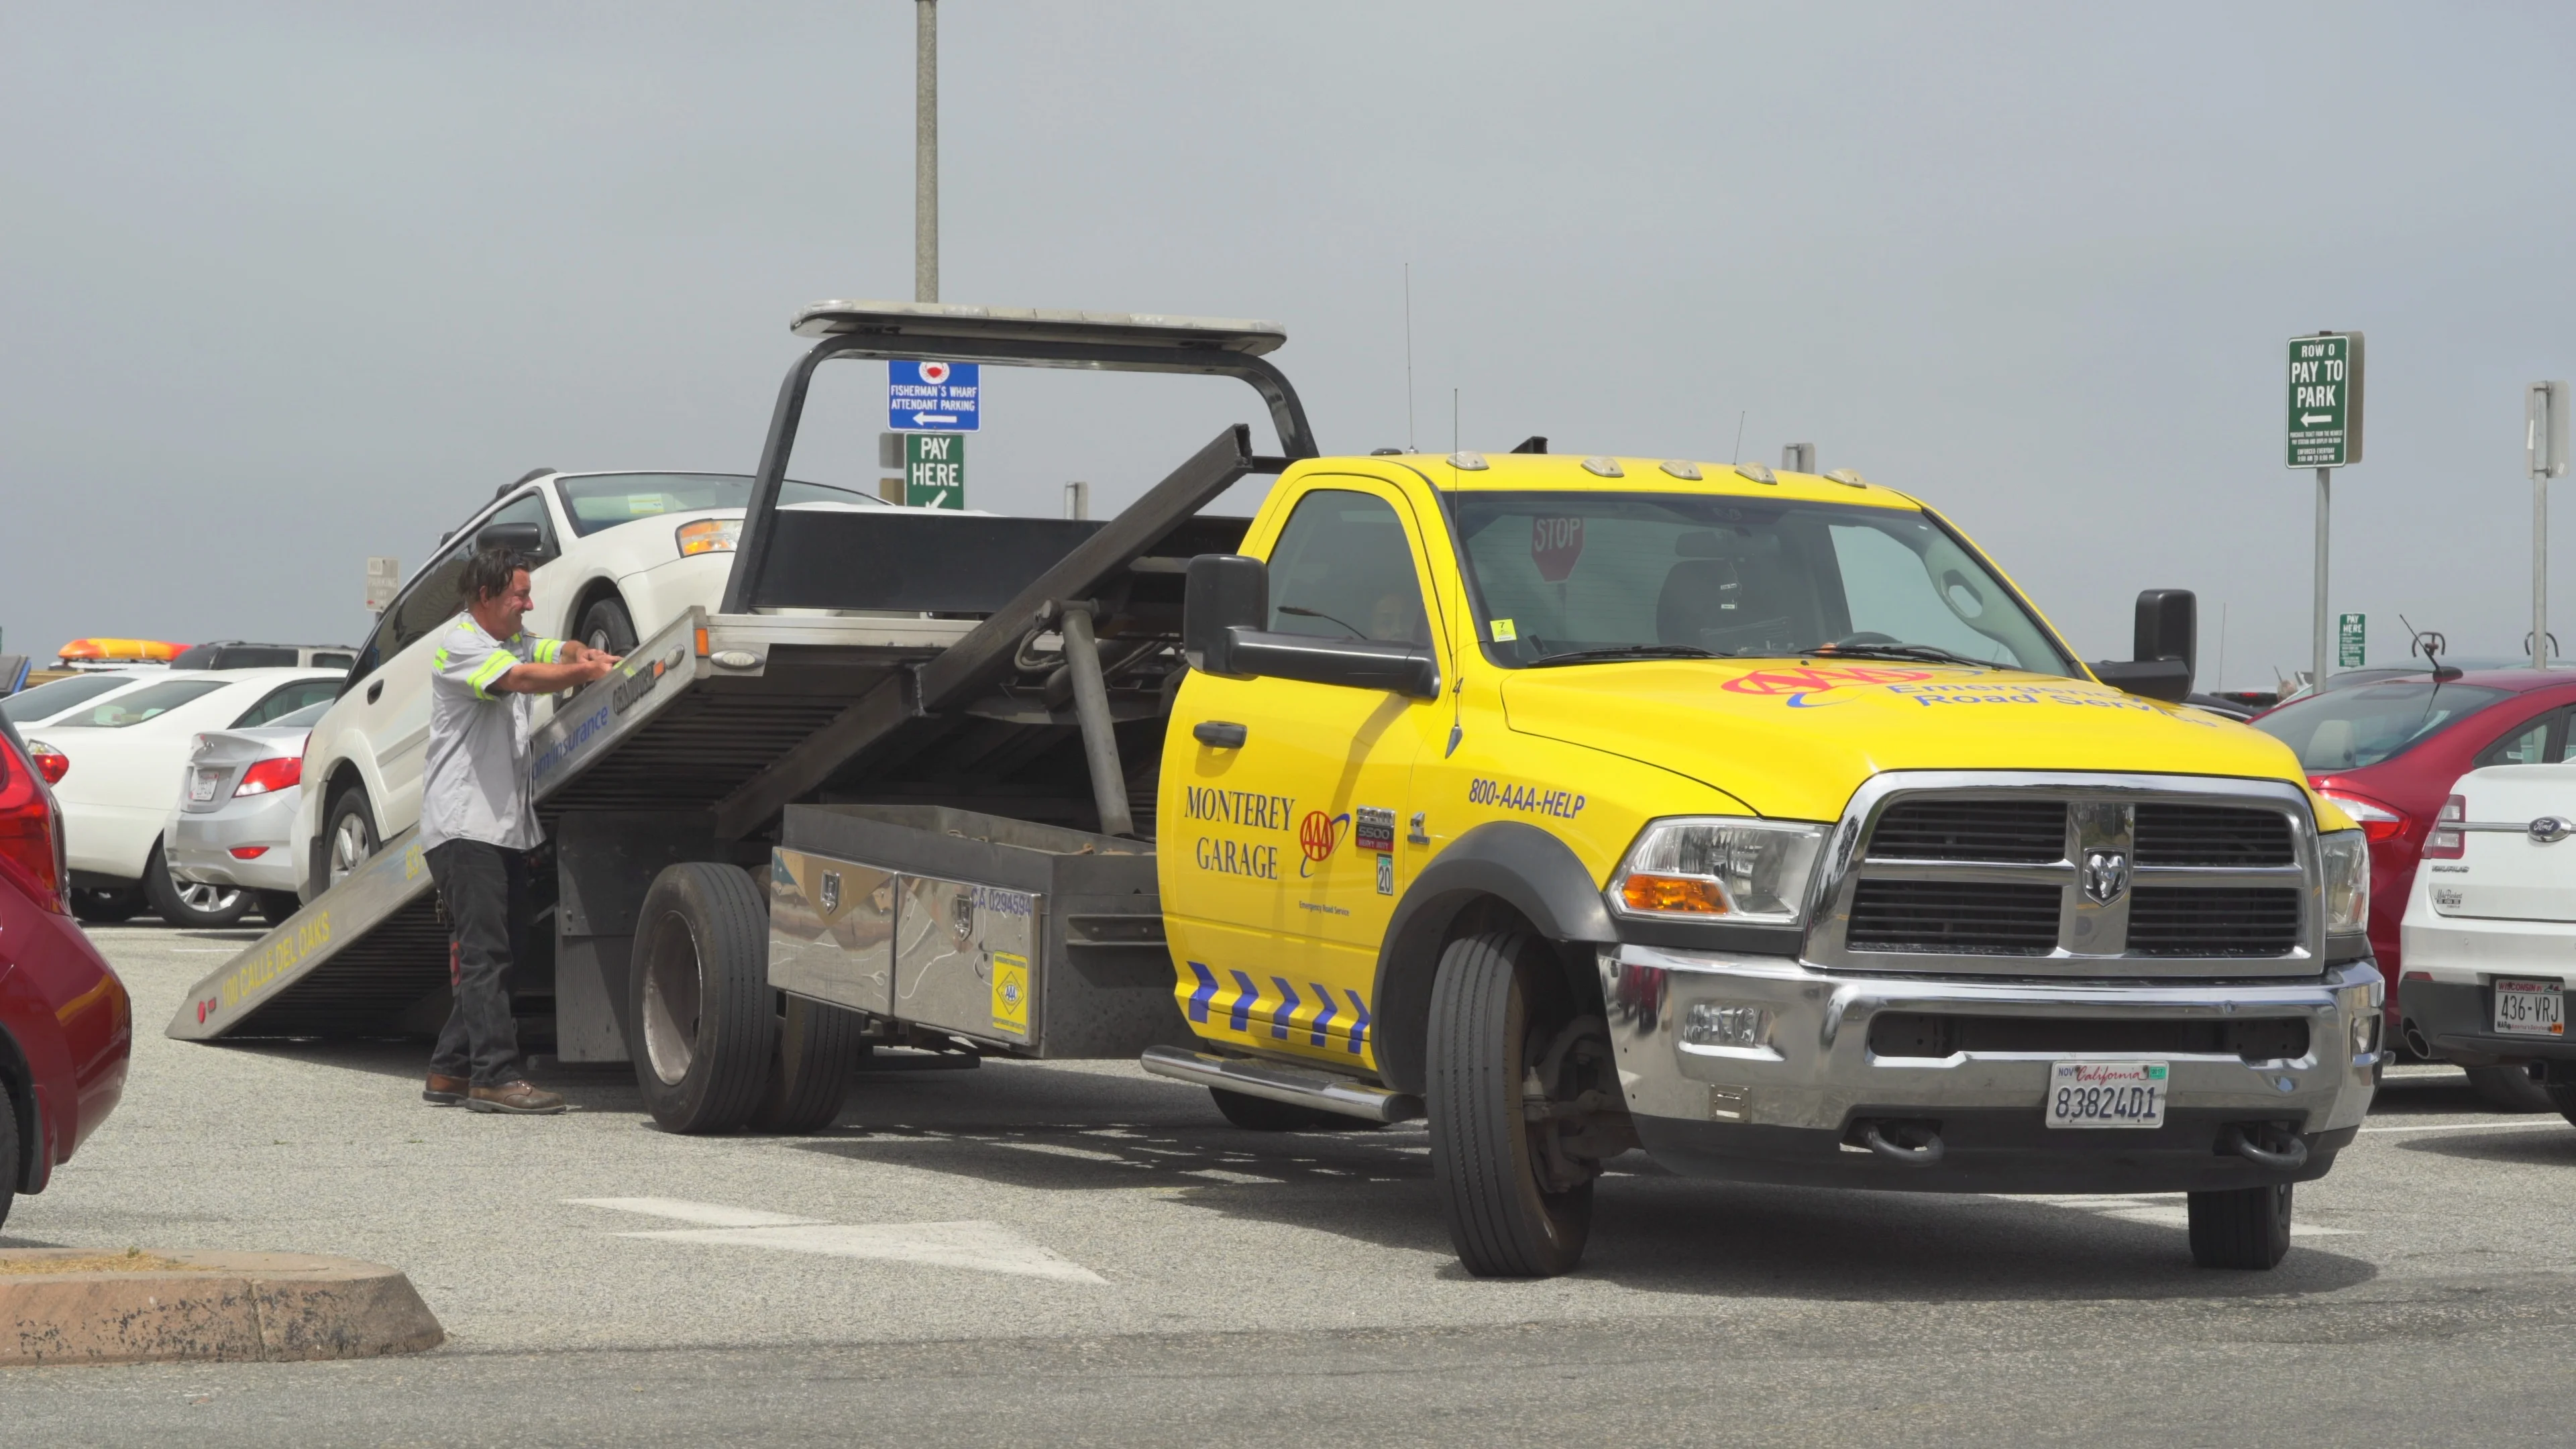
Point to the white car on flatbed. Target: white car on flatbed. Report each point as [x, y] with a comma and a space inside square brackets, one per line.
[2490, 932]
[619, 555]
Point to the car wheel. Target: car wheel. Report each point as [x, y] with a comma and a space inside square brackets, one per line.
[706, 1025]
[2247, 1227]
[606, 625]
[809, 1073]
[276, 906]
[106, 907]
[348, 836]
[1497, 1005]
[2510, 1089]
[10, 1166]
[189, 904]
[2562, 1095]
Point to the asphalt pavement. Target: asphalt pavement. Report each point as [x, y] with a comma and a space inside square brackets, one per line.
[1083, 1254]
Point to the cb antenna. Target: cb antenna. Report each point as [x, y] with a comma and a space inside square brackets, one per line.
[1408, 359]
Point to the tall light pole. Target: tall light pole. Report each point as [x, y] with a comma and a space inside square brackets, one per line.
[2544, 442]
[925, 151]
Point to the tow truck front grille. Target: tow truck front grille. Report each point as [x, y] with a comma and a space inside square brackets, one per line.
[2073, 875]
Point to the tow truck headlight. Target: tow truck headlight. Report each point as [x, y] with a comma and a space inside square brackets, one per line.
[2347, 862]
[1752, 872]
[709, 535]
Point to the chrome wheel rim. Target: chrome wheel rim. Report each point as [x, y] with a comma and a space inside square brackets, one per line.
[208, 899]
[674, 986]
[351, 843]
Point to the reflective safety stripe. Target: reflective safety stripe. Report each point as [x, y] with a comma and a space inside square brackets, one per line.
[545, 650]
[438, 660]
[492, 668]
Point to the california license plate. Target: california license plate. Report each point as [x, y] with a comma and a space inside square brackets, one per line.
[2108, 1094]
[202, 787]
[2530, 1008]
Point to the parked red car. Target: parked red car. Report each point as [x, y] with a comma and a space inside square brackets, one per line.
[2388, 750]
[66, 1027]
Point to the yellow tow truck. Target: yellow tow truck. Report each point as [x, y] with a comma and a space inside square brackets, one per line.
[1576, 804]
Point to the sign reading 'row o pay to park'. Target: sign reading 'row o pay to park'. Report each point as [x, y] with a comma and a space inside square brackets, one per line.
[934, 397]
[2325, 400]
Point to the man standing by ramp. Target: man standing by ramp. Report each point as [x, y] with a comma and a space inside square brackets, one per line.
[477, 823]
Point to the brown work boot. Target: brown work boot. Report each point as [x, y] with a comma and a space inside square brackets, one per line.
[444, 1091]
[518, 1098]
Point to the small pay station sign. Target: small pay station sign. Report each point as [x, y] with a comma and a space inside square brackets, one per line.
[934, 470]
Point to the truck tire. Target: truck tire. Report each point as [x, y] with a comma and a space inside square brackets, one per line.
[2246, 1227]
[699, 998]
[1497, 1000]
[2509, 1089]
[187, 904]
[809, 1073]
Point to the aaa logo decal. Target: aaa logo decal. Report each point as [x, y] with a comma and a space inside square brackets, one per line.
[1319, 835]
[1799, 683]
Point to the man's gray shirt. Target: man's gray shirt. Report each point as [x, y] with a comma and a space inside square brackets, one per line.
[475, 783]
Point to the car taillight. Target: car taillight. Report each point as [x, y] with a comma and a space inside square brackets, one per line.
[31, 833]
[2448, 840]
[51, 763]
[267, 775]
[2377, 821]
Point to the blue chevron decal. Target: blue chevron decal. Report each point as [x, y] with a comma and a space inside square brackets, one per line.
[1241, 1020]
[1284, 1015]
[1359, 1023]
[1207, 988]
[1324, 1017]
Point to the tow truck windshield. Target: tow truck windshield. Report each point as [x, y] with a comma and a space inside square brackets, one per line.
[1571, 578]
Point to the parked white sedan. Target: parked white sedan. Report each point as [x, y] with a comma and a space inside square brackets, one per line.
[619, 556]
[2489, 940]
[120, 758]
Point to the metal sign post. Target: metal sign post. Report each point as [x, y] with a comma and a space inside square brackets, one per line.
[2325, 434]
[2544, 443]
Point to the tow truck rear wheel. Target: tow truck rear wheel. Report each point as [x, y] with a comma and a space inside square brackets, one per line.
[809, 1073]
[2247, 1227]
[700, 999]
[1497, 1004]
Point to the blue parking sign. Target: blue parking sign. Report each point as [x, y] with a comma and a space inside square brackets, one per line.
[934, 397]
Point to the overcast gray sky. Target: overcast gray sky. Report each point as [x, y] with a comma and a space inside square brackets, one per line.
[282, 286]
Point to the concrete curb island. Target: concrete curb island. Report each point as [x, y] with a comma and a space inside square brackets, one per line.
[79, 1305]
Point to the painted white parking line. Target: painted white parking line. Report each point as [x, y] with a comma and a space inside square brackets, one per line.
[979, 1246]
[2472, 1127]
[705, 1214]
[2159, 1209]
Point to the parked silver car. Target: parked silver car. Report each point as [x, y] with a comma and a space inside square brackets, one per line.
[237, 800]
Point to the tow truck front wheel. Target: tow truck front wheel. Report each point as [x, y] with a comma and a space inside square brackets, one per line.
[699, 998]
[1506, 1041]
[2246, 1227]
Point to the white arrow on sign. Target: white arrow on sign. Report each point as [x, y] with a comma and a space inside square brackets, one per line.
[2312, 419]
[923, 418]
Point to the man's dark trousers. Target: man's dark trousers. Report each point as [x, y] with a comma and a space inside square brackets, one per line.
[484, 889]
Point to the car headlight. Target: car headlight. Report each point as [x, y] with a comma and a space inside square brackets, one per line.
[1752, 872]
[709, 535]
[2347, 861]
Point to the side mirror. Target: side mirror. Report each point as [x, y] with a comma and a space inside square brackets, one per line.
[1224, 592]
[1227, 601]
[525, 539]
[2166, 644]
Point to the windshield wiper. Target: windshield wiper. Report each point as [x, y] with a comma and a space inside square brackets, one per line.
[1626, 651]
[1932, 653]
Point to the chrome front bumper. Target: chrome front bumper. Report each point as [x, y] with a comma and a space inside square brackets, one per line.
[1794, 1108]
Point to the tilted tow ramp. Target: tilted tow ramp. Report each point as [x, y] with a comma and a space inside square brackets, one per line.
[897, 675]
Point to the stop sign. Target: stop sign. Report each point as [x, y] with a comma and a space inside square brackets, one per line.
[1555, 543]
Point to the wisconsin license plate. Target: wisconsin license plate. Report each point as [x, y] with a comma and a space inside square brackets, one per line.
[2108, 1094]
[2530, 1008]
[202, 787]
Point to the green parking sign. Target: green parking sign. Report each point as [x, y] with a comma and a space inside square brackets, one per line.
[2325, 400]
[934, 470]
[2349, 640]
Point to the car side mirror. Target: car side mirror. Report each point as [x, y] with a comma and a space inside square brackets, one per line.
[1227, 601]
[2166, 646]
[524, 539]
[1224, 592]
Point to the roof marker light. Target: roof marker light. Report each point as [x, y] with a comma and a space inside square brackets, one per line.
[1848, 478]
[1757, 473]
[1683, 470]
[1604, 467]
[1468, 462]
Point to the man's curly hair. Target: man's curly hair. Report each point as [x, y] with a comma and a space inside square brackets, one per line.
[487, 575]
